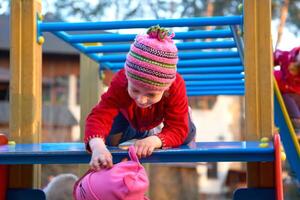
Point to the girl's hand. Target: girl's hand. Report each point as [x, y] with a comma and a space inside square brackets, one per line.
[101, 157]
[146, 146]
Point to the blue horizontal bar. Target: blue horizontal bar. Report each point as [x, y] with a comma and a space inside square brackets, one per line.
[115, 37]
[180, 46]
[207, 54]
[215, 82]
[215, 87]
[79, 47]
[192, 77]
[229, 69]
[208, 70]
[69, 153]
[109, 25]
[112, 58]
[182, 55]
[203, 34]
[210, 62]
[194, 63]
[213, 93]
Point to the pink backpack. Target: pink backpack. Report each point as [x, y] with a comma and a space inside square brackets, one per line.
[124, 181]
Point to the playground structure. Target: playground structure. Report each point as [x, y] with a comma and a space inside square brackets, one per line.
[205, 73]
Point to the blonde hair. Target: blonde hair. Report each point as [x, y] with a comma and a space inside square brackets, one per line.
[60, 187]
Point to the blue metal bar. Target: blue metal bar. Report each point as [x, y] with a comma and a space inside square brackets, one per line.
[182, 55]
[108, 48]
[180, 46]
[203, 34]
[195, 63]
[104, 37]
[115, 37]
[215, 87]
[112, 58]
[192, 77]
[217, 92]
[239, 42]
[210, 62]
[109, 25]
[216, 82]
[229, 69]
[206, 45]
[69, 153]
[207, 54]
[286, 134]
[106, 65]
[65, 37]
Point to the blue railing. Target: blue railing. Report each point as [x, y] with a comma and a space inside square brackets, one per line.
[207, 58]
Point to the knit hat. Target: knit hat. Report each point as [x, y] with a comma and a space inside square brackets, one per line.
[152, 59]
[124, 181]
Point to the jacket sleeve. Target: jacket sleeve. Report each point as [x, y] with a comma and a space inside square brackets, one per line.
[100, 119]
[279, 56]
[175, 128]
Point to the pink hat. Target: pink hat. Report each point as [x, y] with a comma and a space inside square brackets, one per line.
[124, 181]
[152, 59]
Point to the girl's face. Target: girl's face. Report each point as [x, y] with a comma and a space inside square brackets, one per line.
[142, 97]
[294, 68]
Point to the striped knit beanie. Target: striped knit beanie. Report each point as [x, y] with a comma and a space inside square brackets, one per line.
[152, 59]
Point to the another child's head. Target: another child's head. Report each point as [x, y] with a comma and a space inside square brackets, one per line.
[60, 187]
[151, 66]
[294, 66]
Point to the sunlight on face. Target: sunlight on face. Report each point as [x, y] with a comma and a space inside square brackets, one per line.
[144, 97]
[294, 68]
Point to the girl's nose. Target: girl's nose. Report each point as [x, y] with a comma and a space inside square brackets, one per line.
[142, 99]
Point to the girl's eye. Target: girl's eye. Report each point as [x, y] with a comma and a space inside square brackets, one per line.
[135, 91]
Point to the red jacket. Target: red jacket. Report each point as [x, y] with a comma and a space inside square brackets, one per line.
[287, 82]
[172, 109]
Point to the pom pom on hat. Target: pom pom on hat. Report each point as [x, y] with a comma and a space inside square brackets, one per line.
[152, 59]
[159, 33]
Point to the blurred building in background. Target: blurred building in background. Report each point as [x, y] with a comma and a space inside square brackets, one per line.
[60, 87]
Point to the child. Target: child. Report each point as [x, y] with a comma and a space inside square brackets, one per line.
[60, 187]
[288, 79]
[147, 92]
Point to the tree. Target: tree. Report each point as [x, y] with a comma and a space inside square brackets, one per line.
[97, 11]
[107, 10]
[283, 15]
[4, 7]
[152, 9]
[294, 16]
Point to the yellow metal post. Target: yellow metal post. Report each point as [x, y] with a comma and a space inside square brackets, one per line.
[90, 90]
[259, 86]
[25, 86]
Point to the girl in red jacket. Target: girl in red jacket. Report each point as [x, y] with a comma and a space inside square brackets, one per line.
[288, 79]
[146, 93]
